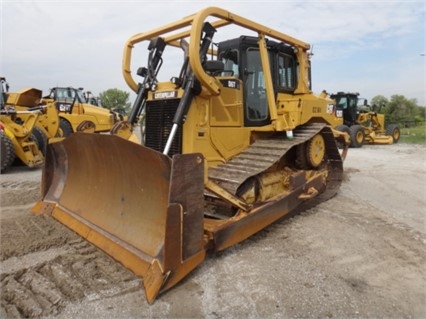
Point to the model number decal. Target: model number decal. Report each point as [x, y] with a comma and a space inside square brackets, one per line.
[232, 84]
[316, 109]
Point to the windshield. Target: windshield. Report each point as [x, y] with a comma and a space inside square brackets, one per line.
[341, 102]
[69, 94]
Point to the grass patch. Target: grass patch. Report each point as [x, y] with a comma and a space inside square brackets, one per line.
[414, 135]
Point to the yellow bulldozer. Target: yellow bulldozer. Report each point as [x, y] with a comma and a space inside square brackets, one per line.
[234, 142]
[365, 124]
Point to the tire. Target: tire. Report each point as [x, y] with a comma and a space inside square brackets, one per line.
[7, 155]
[40, 138]
[66, 127]
[394, 131]
[357, 136]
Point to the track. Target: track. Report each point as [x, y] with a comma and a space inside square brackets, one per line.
[264, 153]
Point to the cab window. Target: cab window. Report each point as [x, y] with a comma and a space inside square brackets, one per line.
[342, 103]
[255, 88]
[287, 72]
[230, 61]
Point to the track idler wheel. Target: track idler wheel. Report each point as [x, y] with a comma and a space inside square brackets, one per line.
[311, 153]
[315, 150]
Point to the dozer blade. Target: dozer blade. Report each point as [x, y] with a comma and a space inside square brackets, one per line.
[138, 205]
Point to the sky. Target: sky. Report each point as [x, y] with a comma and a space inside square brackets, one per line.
[370, 47]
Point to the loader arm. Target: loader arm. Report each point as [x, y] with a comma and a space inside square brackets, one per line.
[20, 135]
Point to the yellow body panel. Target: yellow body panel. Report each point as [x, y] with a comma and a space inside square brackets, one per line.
[102, 118]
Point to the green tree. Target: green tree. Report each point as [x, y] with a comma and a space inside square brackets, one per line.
[116, 100]
[399, 109]
[379, 102]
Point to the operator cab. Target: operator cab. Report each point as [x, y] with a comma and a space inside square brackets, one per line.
[348, 104]
[66, 97]
[241, 58]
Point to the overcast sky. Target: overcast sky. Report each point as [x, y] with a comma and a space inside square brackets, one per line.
[374, 48]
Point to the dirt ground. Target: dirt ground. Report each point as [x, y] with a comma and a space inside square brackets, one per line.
[359, 255]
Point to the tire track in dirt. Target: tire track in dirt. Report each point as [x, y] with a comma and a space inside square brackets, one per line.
[21, 232]
[22, 192]
[29, 233]
[82, 272]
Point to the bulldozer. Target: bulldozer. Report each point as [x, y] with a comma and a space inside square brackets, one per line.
[76, 114]
[364, 123]
[16, 133]
[234, 142]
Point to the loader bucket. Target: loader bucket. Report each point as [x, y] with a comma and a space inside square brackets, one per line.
[139, 206]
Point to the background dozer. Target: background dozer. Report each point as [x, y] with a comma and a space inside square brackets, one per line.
[233, 143]
[364, 123]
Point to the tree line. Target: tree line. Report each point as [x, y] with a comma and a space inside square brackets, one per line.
[399, 110]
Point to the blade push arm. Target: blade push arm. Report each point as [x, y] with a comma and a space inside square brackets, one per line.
[191, 86]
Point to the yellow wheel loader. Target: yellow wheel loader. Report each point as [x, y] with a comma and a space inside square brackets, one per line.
[17, 140]
[234, 142]
[16, 133]
[362, 122]
[47, 125]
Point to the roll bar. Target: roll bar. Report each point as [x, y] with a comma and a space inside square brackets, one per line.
[192, 27]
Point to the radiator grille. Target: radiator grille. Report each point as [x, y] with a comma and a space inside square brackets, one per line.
[158, 124]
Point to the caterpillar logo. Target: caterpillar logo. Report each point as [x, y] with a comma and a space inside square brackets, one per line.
[165, 95]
